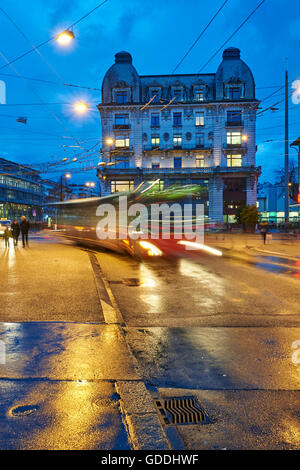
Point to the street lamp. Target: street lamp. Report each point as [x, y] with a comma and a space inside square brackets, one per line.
[109, 141]
[81, 107]
[65, 37]
[244, 137]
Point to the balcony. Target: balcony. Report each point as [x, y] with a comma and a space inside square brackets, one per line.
[121, 126]
[239, 123]
[236, 148]
[172, 148]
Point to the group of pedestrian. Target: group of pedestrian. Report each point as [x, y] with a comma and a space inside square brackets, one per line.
[14, 232]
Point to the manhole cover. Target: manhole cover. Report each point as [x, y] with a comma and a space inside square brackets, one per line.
[131, 281]
[182, 410]
[24, 410]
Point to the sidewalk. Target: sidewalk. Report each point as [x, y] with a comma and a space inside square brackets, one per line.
[281, 244]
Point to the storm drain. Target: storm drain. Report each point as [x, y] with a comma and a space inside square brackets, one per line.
[182, 410]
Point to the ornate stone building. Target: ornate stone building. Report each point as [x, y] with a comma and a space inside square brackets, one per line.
[184, 129]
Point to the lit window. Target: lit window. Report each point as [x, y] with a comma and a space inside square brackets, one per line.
[122, 141]
[155, 140]
[200, 161]
[199, 118]
[118, 186]
[234, 138]
[121, 97]
[177, 140]
[234, 160]
[177, 121]
[155, 120]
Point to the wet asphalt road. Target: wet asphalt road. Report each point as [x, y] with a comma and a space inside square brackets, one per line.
[217, 328]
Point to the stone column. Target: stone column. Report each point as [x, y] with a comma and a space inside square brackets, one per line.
[251, 189]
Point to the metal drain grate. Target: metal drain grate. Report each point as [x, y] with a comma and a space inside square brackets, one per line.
[182, 410]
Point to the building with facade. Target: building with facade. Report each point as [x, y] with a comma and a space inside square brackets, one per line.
[181, 129]
[21, 191]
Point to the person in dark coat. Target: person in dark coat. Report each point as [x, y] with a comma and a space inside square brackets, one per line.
[7, 236]
[24, 230]
[15, 228]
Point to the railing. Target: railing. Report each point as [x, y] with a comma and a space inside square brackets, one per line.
[234, 123]
[164, 147]
[121, 126]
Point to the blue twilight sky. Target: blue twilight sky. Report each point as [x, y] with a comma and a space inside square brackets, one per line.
[157, 33]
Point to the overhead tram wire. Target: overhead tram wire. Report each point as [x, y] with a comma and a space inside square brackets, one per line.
[53, 37]
[51, 82]
[199, 37]
[233, 34]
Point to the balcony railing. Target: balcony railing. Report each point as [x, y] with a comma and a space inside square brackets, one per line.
[171, 147]
[121, 126]
[234, 123]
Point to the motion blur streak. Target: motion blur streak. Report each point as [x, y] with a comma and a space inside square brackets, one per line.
[199, 246]
[152, 249]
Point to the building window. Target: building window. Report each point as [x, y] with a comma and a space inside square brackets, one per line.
[200, 161]
[234, 160]
[177, 141]
[121, 162]
[199, 118]
[199, 94]
[177, 119]
[155, 120]
[177, 162]
[234, 118]
[118, 186]
[234, 138]
[122, 121]
[154, 92]
[121, 97]
[177, 93]
[122, 141]
[155, 166]
[234, 92]
[155, 140]
[199, 141]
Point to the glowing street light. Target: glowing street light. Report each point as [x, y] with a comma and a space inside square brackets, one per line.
[68, 175]
[65, 37]
[81, 107]
[244, 137]
[109, 141]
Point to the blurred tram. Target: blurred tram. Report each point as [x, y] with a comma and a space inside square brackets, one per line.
[77, 220]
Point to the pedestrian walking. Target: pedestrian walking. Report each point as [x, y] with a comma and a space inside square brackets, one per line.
[24, 230]
[7, 236]
[264, 231]
[15, 228]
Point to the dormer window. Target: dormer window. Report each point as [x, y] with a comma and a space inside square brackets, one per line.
[121, 97]
[199, 93]
[155, 92]
[177, 94]
[234, 91]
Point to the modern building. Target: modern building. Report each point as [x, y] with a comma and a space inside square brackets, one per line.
[181, 129]
[270, 203]
[21, 191]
